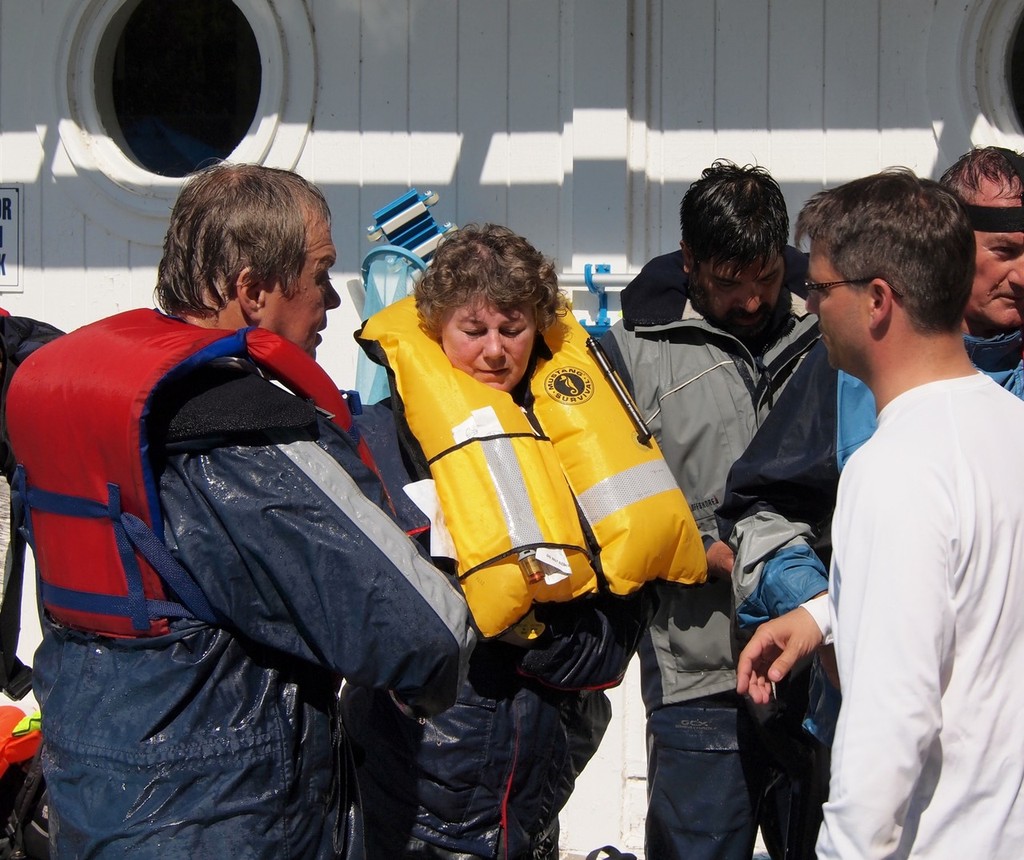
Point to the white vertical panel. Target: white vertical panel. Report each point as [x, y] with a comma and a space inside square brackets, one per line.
[634, 719]
[741, 81]
[384, 99]
[566, 66]
[535, 122]
[686, 102]
[907, 136]
[433, 91]
[334, 153]
[64, 282]
[795, 100]
[483, 88]
[142, 263]
[107, 272]
[851, 87]
[600, 133]
[643, 196]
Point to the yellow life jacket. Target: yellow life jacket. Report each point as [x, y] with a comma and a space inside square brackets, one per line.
[506, 487]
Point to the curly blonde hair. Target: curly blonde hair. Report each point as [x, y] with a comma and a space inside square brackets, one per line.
[488, 264]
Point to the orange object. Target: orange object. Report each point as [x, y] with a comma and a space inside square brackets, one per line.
[18, 742]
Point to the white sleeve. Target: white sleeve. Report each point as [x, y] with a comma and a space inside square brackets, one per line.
[819, 609]
[893, 627]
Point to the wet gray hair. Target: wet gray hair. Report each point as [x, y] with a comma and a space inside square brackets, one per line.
[229, 217]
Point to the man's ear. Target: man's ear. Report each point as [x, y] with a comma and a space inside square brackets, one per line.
[880, 303]
[251, 295]
[688, 260]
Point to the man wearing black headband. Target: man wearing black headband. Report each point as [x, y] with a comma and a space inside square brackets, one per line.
[991, 182]
[781, 492]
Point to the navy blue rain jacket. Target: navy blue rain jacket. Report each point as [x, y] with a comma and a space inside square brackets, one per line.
[225, 741]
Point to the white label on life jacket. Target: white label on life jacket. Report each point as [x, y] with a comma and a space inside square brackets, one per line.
[481, 422]
[556, 565]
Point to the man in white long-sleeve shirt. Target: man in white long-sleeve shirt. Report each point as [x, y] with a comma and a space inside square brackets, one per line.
[926, 600]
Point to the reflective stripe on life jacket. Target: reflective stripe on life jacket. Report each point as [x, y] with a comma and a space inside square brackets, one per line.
[506, 488]
[77, 415]
[625, 489]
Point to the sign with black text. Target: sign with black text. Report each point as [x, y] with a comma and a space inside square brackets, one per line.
[10, 238]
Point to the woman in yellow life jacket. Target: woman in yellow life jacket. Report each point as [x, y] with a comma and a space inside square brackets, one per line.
[554, 513]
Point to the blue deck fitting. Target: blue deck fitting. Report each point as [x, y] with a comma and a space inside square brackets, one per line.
[600, 325]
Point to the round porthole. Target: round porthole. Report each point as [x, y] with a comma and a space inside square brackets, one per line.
[1015, 73]
[147, 90]
[974, 76]
[184, 83]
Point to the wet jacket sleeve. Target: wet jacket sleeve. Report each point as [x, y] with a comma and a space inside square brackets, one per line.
[780, 495]
[292, 554]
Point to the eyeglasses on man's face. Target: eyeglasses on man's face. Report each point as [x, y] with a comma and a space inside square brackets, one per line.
[822, 287]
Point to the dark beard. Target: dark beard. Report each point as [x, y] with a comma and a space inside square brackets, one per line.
[736, 323]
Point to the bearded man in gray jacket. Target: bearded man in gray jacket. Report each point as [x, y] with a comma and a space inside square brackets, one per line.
[707, 342]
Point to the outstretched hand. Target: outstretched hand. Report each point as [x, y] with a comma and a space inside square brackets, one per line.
[776, 647]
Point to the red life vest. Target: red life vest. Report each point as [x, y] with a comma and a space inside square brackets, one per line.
[77, 414]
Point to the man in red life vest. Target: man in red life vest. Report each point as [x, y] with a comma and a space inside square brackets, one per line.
[211, 550]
